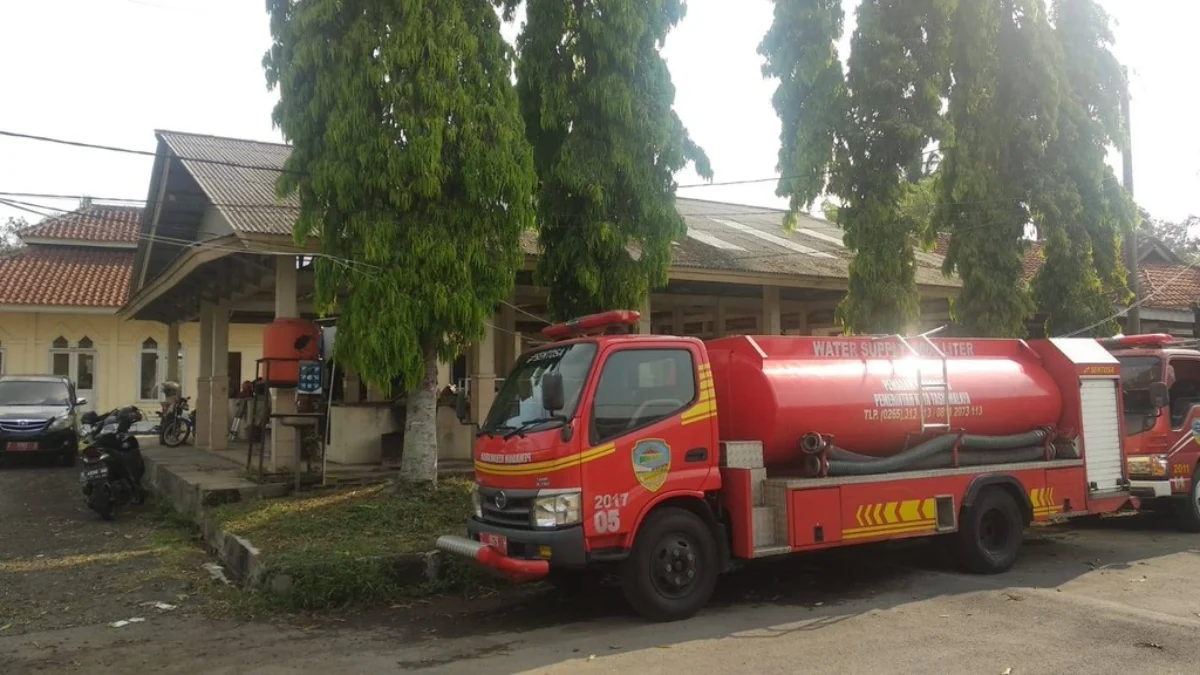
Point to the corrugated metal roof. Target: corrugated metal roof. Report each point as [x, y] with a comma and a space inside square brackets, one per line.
[721, 237]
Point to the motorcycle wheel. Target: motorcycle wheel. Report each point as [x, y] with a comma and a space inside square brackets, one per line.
[175, 433]
[101, 502]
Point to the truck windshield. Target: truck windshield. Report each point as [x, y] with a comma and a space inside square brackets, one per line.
[518, 405]
[33, 392]
[1137, 374]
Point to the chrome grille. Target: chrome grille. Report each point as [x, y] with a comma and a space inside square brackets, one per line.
[513, 509]
[23, 426]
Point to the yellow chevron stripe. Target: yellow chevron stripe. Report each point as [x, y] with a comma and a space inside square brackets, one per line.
[699, 409]
[693, 420]
[547, 466]
[899, 528]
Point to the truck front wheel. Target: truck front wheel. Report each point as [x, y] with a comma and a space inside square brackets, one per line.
[990, 536]
[672, 570]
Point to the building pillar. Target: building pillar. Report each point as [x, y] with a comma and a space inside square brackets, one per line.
[283, 438]
[720, 317]
[173, 373]
[350, 389]
[203, 379]
[645, 323]
[218, 388]
[483, 375]
[803, 329]
[678, 326]
[770, 323]
[508, 342]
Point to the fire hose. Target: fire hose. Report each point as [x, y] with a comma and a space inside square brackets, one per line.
[974, 450]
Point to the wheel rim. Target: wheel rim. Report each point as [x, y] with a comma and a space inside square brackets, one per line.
[175, 432]
[994, 531]
[675, 566]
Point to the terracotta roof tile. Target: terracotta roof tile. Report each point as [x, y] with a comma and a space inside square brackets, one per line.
[1169, 285]
[100, 223]
[66, 276]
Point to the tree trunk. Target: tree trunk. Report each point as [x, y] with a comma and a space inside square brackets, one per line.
[419, 462]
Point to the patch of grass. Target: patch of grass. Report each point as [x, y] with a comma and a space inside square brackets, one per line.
[355, 546]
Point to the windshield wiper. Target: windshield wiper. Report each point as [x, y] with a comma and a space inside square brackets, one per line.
[491, 431]
[527, 425]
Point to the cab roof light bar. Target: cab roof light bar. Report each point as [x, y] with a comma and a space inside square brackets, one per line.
[617, 321]
[1147, 341]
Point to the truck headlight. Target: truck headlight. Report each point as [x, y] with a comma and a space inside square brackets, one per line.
[61, 422]
[1154, 466]
[557, 510]
[476, 502]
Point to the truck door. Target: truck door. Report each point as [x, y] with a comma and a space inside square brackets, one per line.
[650, 405]
[1184, 441]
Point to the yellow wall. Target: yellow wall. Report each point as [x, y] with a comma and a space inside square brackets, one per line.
[26, 337]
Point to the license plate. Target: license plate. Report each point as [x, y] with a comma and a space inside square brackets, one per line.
[22, 447]
[92, 474]
[496, 541]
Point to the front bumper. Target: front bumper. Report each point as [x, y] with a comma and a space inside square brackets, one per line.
[522, 562]
[1150, 489]
[48, 442]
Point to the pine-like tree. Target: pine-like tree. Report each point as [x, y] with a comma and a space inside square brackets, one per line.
[598, 102]
[411, 165]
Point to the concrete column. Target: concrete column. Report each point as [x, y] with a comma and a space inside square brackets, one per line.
[285, 288]
[508, 343]
[173, 373]
[645, 325]
[350, 391]
[283, 438]
[218, 391]
[483, 375]
[204, 379]
[677, 321]
[803, 327]
[770, 323]
[720, 317]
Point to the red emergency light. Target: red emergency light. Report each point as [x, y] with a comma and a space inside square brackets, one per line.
[1147, 341]
[592, 323]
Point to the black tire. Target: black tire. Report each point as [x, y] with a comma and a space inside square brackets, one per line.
[139, 494]
[101, 503]
[1187, 509]
[69, 456]
[675, 537]
[991, 533]
[174, 433]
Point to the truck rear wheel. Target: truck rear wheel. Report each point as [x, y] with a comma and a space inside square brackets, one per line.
[991, 532]
[1187, 510]
[672, 570]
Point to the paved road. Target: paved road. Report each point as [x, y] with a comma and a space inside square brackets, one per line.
[1119, 597]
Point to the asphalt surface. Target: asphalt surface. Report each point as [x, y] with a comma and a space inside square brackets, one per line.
[1115, 597]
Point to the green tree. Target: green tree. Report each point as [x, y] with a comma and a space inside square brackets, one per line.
[864, 137]
[411, 166]
[598, 101]
[1080, 208]
[1003, 111]
[1175, 235]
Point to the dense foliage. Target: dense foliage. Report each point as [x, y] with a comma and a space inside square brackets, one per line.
[598, 101]
[411, 166]
[978, 118]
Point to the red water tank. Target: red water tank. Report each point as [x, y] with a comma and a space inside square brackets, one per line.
[288, 341]
[864, 391]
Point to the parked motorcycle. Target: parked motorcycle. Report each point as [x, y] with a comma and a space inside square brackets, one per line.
[113, 466]
[177, 423]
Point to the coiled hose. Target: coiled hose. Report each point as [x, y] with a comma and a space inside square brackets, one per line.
[974, 450]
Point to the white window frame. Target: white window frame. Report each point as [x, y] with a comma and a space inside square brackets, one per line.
[161, 354]
[3, 358]
[73, 365]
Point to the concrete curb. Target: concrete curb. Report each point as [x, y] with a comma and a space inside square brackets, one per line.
[195, 490]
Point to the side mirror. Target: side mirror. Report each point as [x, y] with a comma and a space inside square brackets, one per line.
[81, 401]
[553, 397]
[460, 405]
[1160, 396]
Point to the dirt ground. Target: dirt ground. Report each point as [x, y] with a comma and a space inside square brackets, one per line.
[1117, 597]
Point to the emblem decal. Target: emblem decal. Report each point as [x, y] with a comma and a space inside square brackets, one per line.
[501, 500]
[1196, 430]
[651, 463]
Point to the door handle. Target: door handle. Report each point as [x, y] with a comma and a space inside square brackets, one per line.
[696, 455]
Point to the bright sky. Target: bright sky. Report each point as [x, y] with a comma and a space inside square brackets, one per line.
[112, 71]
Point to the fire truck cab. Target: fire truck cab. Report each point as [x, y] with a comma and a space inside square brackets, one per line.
[1160, 383]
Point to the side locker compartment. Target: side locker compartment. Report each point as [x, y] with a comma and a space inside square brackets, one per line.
[815, 517]
[1065, 493]
[758, 527]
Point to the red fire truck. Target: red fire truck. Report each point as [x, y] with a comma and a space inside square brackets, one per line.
[665, 459]
[1160, 377]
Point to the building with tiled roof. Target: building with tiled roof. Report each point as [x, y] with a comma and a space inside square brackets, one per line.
[59, 297]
